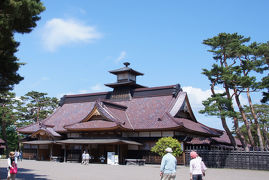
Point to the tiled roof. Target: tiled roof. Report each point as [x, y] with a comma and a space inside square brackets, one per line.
[29, 129]
[224, 138]
[196, 127]
[125, 69]
[92, 125]
[200, 141]
[149, 109]
[69, 114]
[52, 132]
[2, 141]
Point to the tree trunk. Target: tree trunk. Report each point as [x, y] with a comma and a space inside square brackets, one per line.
[236, 126]
[224, 124]
[230, 135]
[251, 140]
[265, 135]
[240, 135]
[256, 121]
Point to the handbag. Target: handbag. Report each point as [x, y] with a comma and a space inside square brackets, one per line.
[13, 169]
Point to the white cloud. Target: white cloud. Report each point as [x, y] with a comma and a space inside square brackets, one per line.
[121, 56]
[59, 96]
[44, 78]
[58, 32]
[95, 88]
[98, 88]
[197, 95]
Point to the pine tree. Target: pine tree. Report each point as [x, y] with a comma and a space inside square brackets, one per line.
[37, 106]
[16, 16]
[224, 48]
[8, 117]
[237, 63]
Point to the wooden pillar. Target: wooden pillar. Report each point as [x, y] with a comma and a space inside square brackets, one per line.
[119, 156]
[51, 146]
[118, 149]
[37, 153]
[64, 152]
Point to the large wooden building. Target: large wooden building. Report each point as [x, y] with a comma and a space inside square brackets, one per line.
[127, 120]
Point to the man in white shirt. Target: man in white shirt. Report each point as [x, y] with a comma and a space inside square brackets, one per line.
[168, 166]
[87, 157]
[83, 158]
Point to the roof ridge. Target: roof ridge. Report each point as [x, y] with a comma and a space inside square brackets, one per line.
[138, 89]
[114, 104]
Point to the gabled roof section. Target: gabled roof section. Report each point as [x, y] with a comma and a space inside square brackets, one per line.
[48, 131]
[100, 109]
[29, 129]
[181, 107]
[103, 116]
[93, 126]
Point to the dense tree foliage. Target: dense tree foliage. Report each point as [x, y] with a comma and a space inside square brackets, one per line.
[37, 106]
[237, 62]
[16, 16]
[262, 111]
[166, 142]
[8, 118]
[17, 112]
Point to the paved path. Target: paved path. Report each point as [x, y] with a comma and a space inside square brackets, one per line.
[29, 170]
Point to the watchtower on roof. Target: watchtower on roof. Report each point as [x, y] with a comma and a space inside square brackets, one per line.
[126, 82]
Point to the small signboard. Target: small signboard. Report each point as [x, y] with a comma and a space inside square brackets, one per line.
[111, 158]
[116, 158]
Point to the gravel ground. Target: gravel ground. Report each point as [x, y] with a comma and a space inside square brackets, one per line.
[30, 169]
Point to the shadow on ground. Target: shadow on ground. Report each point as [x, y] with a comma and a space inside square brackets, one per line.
[22, 174]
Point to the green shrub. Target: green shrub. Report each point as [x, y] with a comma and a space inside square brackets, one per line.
[166, 142]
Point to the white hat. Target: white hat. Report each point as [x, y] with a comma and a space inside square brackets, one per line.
[168, 150]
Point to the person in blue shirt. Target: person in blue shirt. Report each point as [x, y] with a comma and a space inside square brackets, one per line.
[168, 166]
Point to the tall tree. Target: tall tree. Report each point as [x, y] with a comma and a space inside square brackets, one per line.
[237, 62]
[8, 117]
[263, 117]
[16, 16]
[37, 106]
[262, 111]
[264, 50]
[243, 79]
[217, 104]
[224, 48]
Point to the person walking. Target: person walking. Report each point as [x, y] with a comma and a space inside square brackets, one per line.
[20, 155]
[83, 158]
[168, 165]
[17, 154]
[12, 166]
[197, 167]
[87, 158]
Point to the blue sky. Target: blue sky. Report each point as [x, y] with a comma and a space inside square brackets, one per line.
[76, 43]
